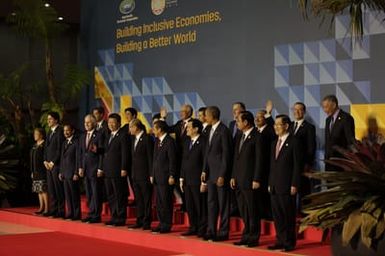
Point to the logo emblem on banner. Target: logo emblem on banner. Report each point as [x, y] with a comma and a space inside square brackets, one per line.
[158, 6]
[127, 6]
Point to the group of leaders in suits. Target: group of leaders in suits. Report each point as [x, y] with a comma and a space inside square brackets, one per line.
[256, 163]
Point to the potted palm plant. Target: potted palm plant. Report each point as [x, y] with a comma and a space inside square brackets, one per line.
[352, 203]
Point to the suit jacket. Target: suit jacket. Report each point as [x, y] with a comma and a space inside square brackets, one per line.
[206, 131]
[234, 129]
[104, 131]
[69, 158]
[116, 155]
[164, 161]
[192, 161]
[90, 158]
[306, 138]
[218, 154]
[264, 141]
[342, 134]
[53, 146]
[142, 157]
[285, 171]
[245, 159]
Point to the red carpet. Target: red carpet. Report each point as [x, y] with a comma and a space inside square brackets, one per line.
[61, 244]
[310, 245]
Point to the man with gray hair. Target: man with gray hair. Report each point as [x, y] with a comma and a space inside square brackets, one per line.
[91, 149]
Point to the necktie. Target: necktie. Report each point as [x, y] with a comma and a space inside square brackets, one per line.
[211, 135]
[191, 144]
[111, 137]
[51, 134]
[331, 123]
[136, 142]
[295, 127]
[88, 139]
[277, 148]
[242, 141]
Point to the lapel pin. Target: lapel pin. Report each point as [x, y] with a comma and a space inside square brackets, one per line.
[287, 144]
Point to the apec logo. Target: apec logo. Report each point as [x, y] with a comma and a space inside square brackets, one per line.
[127, 6]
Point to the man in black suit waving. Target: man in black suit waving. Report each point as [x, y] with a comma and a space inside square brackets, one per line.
[69, 173]
[163, 175]
[142, 149]
[115, 167]
[192, 165]
[216, 172]
[304, 132]
[243, 178]
[339, 129]
[52, 154]
[284, 180]
[91, 145]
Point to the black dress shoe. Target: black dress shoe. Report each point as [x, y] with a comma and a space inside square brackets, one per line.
[164, 230]
[92, 221]
[252, 244]
[288, 248]
[156, 230]
[39, 212]
[134, 226]
[189, 233]
[200, 234]
[208, 237]
[49, 214]
[87, 219]
[147, 227]
[76, 218]
[119, 224]
[275, 247]
[220, 238]
[58, 216]
[110, 223]
[242, 242]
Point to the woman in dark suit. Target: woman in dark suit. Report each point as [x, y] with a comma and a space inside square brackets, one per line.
[39, 175]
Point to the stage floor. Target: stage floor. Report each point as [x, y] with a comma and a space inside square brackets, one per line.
[35, 235]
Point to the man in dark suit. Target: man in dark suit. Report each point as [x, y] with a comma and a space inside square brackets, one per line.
[101, 124]
[284, 179]
[163, 175]
[190, 181]
[216, 173]
[131, 114]
[115, 167]
[265, 139]
[339, 129]
[304, 132]
[238, 107]
[243, 178]
[202, 118]
[90, 156]
[180, 131]
[142, 149]
[69, 173]
[52, 154]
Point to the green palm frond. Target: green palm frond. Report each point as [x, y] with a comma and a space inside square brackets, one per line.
[355, 8]
[354, 197]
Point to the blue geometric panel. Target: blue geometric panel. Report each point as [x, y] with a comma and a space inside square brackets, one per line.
[344, 71]
[376, 23]
[343, 100]
[107, 57]
[311, 52]
[365, 89]
[312, 95]
[147, 84]
[296, 94]
[311, 74]
[147, 104]
[281, 76]
[327, 50]
[296, 54]
[284, 93]
[361, 50]
[328, 72]
[281, 55]
[342, 26]
[314, 113]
